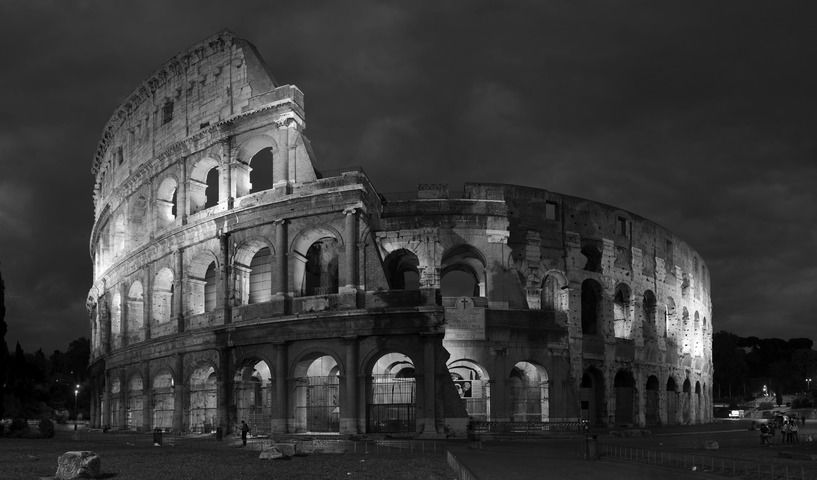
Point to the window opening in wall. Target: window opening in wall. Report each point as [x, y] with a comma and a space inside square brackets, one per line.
[210, 289]
[402, 269]
[550, 211]
[592, 253]
[685, 284]
[261, 171]
[622, 320]
[622, 226]
[591, 297]
[212, 191]
[260, 277]
[321, 271]
[120, 156]
[173, 211]
[167, 112]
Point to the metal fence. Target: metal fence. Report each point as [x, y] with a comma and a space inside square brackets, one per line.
[728, 466]
[526, 428]
[462, 472]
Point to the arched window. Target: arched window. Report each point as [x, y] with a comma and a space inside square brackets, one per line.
[685, 329]
[166, 202]
[622, 317]
[119, 240]
[591, 306]
[462, 273]
[203, 187]
[139, 230]
[529, 393]
[164, 401]
[261, 277]
[592, 254]
[210, 290]
[163, 296]
[261, 170]
[670, 320]
[402, 271]
[554, 295]
[650, 329]
[321, 271]
[202, 279]
[116, 320]
[136, 313]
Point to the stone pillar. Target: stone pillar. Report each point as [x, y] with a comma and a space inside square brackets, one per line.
[280, 410]
[426, 414]
[224, 392]
[280, 283]
[178, 290]
[179, 397]
[147, 301]
[280, 165]
[351, 264]
[147, 398]
[498, 385]
[123, 314]
[349, 409]
[182, 202]
[106, 400]
[227, 275]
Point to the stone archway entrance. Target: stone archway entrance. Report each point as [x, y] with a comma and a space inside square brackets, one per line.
[391, 395]
[591, 394]
[317, 404]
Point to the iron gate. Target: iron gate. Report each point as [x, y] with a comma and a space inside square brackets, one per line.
[391, 404]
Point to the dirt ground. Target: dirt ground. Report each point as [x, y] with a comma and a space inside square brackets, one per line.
[133, 456]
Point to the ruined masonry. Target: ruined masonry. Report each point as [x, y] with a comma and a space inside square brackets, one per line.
[235, 281]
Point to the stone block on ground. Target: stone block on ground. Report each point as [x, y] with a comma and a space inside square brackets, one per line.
[270, 453]
[288, 449]
[711, 445]
[78, 464]
[304, 447]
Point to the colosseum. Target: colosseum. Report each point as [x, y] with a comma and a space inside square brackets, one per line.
[235, 280]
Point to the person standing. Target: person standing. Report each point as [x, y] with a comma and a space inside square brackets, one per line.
[245, 429]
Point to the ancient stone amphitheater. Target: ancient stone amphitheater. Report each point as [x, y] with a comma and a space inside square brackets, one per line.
[234, 280]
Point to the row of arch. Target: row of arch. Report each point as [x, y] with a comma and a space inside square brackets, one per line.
[203, 189]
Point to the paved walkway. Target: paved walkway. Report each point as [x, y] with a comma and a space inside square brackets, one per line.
[557, 459]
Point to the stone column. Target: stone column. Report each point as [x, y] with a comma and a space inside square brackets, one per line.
[147, 398]
[182, 202]
[224, 391]
[178, 290]
[123, 400]
[280, 411]
[498, 385]
[147, 301]
[349, 409]
[106, 400]
[426, 414]
[351, 264]
[280, 165]
[280, 283]
[179, 394]
[227, 275]
[123, 314]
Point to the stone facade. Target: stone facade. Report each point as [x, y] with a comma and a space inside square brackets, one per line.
[234, 281]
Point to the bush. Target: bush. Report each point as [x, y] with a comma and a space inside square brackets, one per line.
[18, 425]
[46, 427]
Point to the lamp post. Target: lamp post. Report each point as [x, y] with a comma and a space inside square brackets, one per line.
[76, 393]
[808, 383]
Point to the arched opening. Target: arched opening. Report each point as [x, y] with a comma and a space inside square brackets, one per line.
[261, 170]
[592, 255]
[529, 393]
[624, 385]
[391, 395]
[697, 334]
[321, 271]
[622, 316]
[253, 396]
[210, 288]
[672, 402]
[119, 240]
[651, 413]
[202, 400]
[136, 313]
[261, 277]
[139, 231]
[203, 187]
[591, 394]
[462, 273]
[554, 294]
[317, 404]
[686, 400]
[136, 405]
[649, 329]
[211, 192]
[685, 329]
[166, 202]
[670, 321]
[402, 270]
[164, 401]
[116, 404]
[163, 296]
[116, 320]
[473, 387]
[698, 410]
[591, 306]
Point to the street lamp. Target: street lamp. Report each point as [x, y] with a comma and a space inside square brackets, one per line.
[808, 382]
[76, 393]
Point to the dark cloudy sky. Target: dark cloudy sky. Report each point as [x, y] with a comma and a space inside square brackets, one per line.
[701, 116]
